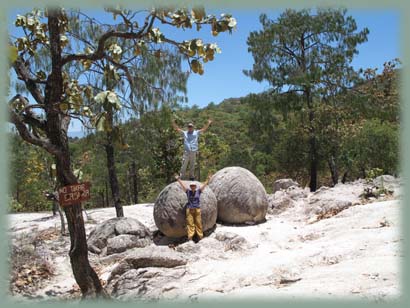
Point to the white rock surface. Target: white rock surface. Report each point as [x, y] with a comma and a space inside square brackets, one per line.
[284, 184]
[355, 254]
[279, 201]
[118, 235]
[390, 183]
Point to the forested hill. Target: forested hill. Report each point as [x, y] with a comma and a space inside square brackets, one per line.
[230, 127]
[357, 136]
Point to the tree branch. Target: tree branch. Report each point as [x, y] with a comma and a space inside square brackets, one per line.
[81, 119]
[127, 74]
[26, 135]
[31, 84]
[100, 52]
[26, 115]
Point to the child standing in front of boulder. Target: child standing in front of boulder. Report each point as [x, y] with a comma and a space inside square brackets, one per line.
[193, 208]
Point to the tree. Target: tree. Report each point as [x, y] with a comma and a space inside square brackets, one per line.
[158, 78]
[60, 90]
[379, 93]
[374, 146]
[374, 96]
[308, 54]
[163, 148]
[212, 150]
[263, 122]
[263, 119]
[30, 177]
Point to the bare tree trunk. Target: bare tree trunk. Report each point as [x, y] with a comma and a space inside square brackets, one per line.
[63, 232]
[107, 199]
[313, 163]
[313, 155]
[112, 175]
[56, 130]
[363, 170]
[85, 212]
[333, 170]
[55, 207]
[129, 187]
[134, 174]
[344, 178]
[101, 193]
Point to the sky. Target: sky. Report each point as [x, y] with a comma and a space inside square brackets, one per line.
[224, 78]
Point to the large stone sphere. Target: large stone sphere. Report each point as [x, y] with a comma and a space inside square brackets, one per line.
[240, 195]
[170, 207]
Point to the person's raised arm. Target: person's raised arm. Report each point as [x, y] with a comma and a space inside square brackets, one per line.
[203, 129]
[205, 183]
[175, 126]
[181, 183]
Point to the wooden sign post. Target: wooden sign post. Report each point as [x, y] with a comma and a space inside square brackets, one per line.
[74, 194]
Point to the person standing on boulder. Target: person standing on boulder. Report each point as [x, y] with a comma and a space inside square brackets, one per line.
[190, 147]
[193, 208]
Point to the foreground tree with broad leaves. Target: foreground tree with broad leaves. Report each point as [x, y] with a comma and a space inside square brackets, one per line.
[306, 57]
[53, 65]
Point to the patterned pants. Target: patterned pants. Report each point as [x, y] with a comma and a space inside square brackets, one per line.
[194, 223]
[189, 157]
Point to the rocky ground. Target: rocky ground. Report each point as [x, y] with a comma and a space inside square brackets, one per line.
[333, 243]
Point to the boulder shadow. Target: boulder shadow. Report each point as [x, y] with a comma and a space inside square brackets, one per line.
[244, 224]
[161, 239]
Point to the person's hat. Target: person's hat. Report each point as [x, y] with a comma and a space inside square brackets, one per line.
[190, 124]
[192, 184]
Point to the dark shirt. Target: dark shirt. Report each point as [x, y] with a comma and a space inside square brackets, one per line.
[193, 198]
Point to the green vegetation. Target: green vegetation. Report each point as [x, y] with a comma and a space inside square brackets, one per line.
[306, 59]
[320, 118]
[354, 122]
[252, 132]
[73, 66]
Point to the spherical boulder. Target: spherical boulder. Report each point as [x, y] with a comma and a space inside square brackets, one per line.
[240, 195]
[170, 209]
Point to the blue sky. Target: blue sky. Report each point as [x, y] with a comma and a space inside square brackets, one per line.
[223, 77]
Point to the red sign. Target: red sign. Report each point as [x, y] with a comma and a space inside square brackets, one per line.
[74, 194]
